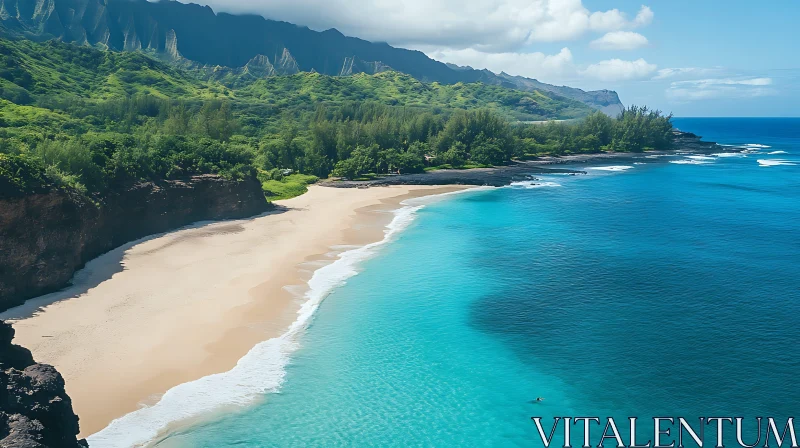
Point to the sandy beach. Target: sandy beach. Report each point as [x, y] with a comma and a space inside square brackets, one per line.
[172, 308]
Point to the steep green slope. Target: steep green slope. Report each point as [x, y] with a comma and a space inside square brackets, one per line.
[98, 121]
[46, 72]
[190, 33]
[53, 68]
[394, 88]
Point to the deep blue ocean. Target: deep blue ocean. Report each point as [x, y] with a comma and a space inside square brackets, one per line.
[665, 288]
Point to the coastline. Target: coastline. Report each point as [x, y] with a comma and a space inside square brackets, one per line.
[193, 302]
[523, 170]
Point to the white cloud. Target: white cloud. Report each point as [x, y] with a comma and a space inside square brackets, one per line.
[705, 83]
[535, 65]
[712, 88]
[682, 72]
[619, 70]
[488, 25]
[615, 20]
[619, 40]
[556, 68]
[644, 18]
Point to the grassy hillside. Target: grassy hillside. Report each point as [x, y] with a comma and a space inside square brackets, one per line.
[398, 89]
[95, 121]
[31, 71]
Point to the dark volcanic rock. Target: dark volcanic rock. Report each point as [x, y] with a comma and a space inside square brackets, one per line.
[689, 141]
[35, 411]
[494, 177]
[503, 175]
[45, 237]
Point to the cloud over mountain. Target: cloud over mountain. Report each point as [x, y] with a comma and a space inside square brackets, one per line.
[499, 35]
[491, 25]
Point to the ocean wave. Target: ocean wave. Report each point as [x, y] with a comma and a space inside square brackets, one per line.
[690, 162]
[701, 158]
[534, 184]
[777, 152]
[729, 154]
[262, 369]
[756, 145]
[775, 162]
[610, 168]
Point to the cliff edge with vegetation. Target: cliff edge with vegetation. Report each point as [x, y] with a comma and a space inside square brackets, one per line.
[50, 232]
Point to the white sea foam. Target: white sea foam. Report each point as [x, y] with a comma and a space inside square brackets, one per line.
[610, 168]
[690, 162]
[775, 162]
[729, 154]
[777, 152]
[262, 369]
[534, 184]
[701, 158]
[756, 145]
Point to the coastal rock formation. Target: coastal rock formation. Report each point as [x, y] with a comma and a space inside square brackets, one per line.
[35, 411]
[46, 236]
[689, 141]
[526, 170]
[498, 176]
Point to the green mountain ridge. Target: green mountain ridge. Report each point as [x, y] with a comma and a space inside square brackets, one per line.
[98, 121]
[195, 36]
[44, 73]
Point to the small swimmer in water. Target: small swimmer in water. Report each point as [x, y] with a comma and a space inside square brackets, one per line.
[539, 399]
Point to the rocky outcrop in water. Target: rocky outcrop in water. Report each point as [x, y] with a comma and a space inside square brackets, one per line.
[526, 170]
[46, 236]
[35, 411]
[688, 141]
[494, 177]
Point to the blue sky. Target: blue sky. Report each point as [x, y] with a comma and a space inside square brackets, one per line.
[740, 39]
[691, 57]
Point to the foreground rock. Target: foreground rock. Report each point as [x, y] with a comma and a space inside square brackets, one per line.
[46, 236]
[35, 411]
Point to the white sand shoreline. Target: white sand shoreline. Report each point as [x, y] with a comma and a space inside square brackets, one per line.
[167, 318]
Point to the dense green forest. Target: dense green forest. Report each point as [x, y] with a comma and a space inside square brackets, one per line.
[99, 120]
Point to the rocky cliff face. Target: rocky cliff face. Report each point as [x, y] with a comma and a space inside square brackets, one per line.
[604, 100]
[35, 411]
[45, 237]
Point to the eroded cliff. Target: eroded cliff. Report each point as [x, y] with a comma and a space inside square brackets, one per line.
[46, 236]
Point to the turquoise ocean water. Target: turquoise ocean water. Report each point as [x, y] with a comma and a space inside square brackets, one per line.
[669, 288]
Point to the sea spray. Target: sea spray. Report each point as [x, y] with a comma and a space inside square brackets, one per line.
[263, 368]
[610, 168]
